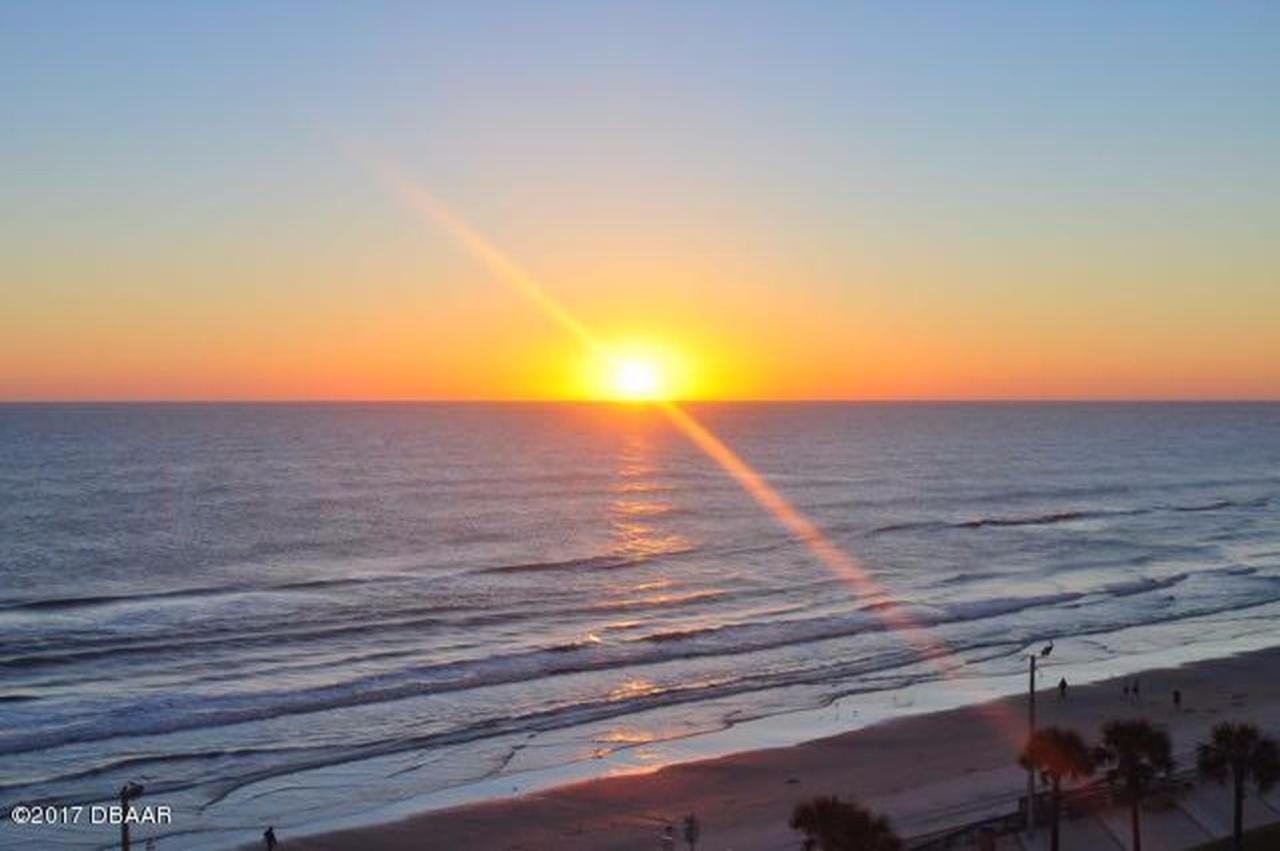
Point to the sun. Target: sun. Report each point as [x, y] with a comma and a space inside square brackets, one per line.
[635, 370]
[635, 379]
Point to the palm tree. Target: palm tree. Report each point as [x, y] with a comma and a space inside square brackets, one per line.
[1057, 754]
[1137, 751]
[1239, 753]
[830, 824]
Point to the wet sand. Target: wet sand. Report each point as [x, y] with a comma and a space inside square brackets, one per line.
[925, 772]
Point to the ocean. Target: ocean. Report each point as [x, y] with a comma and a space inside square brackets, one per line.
[309, 615]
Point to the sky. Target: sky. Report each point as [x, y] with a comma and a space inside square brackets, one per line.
[782, 200]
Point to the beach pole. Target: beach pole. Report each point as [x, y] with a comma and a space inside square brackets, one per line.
[1031, 731]
[128, 792]
[124, 825]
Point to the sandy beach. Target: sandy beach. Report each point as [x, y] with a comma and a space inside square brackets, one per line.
[925, 772]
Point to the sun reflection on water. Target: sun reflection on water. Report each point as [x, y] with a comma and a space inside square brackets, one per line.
[634, 687]
[635, 536]
[639, 507]
[654, 600]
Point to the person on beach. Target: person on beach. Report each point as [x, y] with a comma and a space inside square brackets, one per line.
[692, 830]
[1126, 691]
[1062, 689]
[269, 837]
[1177, 700]
[1137, 694]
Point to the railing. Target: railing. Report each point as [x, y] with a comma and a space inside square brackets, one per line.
[1078, 802]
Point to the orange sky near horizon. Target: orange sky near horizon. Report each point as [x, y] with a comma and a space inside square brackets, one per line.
[414, 317]
[498, 356]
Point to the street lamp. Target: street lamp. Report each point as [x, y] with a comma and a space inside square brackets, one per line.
[1031, 731]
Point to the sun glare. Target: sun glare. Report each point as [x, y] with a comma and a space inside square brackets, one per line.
[637, 380]
[636, 371]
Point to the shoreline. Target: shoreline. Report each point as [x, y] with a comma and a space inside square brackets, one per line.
[926, 771]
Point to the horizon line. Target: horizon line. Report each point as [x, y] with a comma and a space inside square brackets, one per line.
[817, 400]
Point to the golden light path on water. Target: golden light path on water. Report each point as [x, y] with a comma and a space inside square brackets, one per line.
[933, 651]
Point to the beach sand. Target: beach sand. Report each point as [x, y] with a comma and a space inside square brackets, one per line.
[925, 772]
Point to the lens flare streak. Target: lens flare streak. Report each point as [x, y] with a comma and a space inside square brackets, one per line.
[827, 552]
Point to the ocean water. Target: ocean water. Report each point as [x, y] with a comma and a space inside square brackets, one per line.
[299, 614]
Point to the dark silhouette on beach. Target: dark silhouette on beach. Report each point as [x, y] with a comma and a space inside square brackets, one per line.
[692, 830]
[1062, 689]
[269, 837]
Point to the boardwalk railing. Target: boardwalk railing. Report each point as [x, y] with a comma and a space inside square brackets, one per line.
[1078, 802]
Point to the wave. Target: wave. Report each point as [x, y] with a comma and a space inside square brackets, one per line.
[660, 599]
[93, 601]
[596, 562]
[1121, 489]
[138, 717]
[583, 712]
[1040, 520]
[847, 676]
[983, 522]
[57, 603]
[604, 562]
[1135, 490]
[242, 636]
[1141, 586]
[1218, 505]
[409, 622]
[151, 760]
[1056, 517]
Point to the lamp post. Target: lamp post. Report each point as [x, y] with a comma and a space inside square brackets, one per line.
[1031, 731]
[128, 792]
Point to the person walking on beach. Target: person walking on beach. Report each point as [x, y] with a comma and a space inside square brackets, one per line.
[1137, 693]
[692, 830]
[269, 837]
[1177, 700]
[1062, 689]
